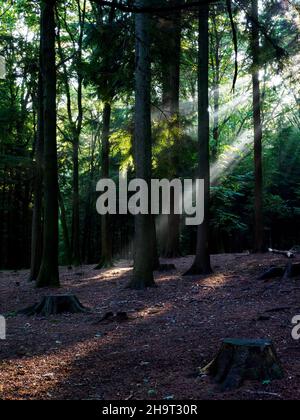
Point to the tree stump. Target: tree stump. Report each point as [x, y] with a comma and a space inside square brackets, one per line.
[240, 360]
[55, 305]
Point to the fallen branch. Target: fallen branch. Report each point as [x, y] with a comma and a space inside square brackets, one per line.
[288, 254]
[271, 394]
[280, 309]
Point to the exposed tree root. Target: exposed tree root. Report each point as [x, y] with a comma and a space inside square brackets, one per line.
[54, 305]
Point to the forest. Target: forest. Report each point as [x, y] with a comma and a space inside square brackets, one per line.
[108, 290]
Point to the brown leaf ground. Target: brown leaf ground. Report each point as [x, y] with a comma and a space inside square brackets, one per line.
[172, 331]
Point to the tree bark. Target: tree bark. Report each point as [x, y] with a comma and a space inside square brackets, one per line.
[76, 139]
[75, 205]
[48, 275]
[37, 227]
[155, 255]
[75, 128]
[258, 133]
[171, 52]
[106, 237]
[216, 84]
[65, 230]
[87, 244]
[144, 232]
[172, 246]
[202, 263]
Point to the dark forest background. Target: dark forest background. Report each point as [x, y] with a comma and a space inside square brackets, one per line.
[95, 98]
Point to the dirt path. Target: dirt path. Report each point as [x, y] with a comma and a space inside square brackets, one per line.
[172, 331]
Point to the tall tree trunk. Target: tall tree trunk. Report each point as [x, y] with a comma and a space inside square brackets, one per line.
[49, 275]
[202, 264]
[75, 205]
[89, 208]
[106, 240]
[155, 255]
[172, 248]
[216, 133]
[3, 218]
[144, 232]
[37, 227]
[216, 82]
[258, 134]
[75, 127]
[65, 231]
[171, 31]
[87, 228]
[171, 51]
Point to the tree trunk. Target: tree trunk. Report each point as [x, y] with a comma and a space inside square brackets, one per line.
[216, 133]
[216, 83]
[106, 237]
[171, 30]
[172, 246]
[87, 245]
[258, 134]
[156, 262]
[37, 227]
[75, 127]
[48, 275]
[65, 231]
[75, 211]
[144, 232]
[171, 51]
[202, 264]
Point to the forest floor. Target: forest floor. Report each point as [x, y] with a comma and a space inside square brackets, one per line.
[172, 331]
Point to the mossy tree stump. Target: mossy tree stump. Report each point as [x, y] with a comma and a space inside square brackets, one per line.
[54, 305]
[241, 360]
